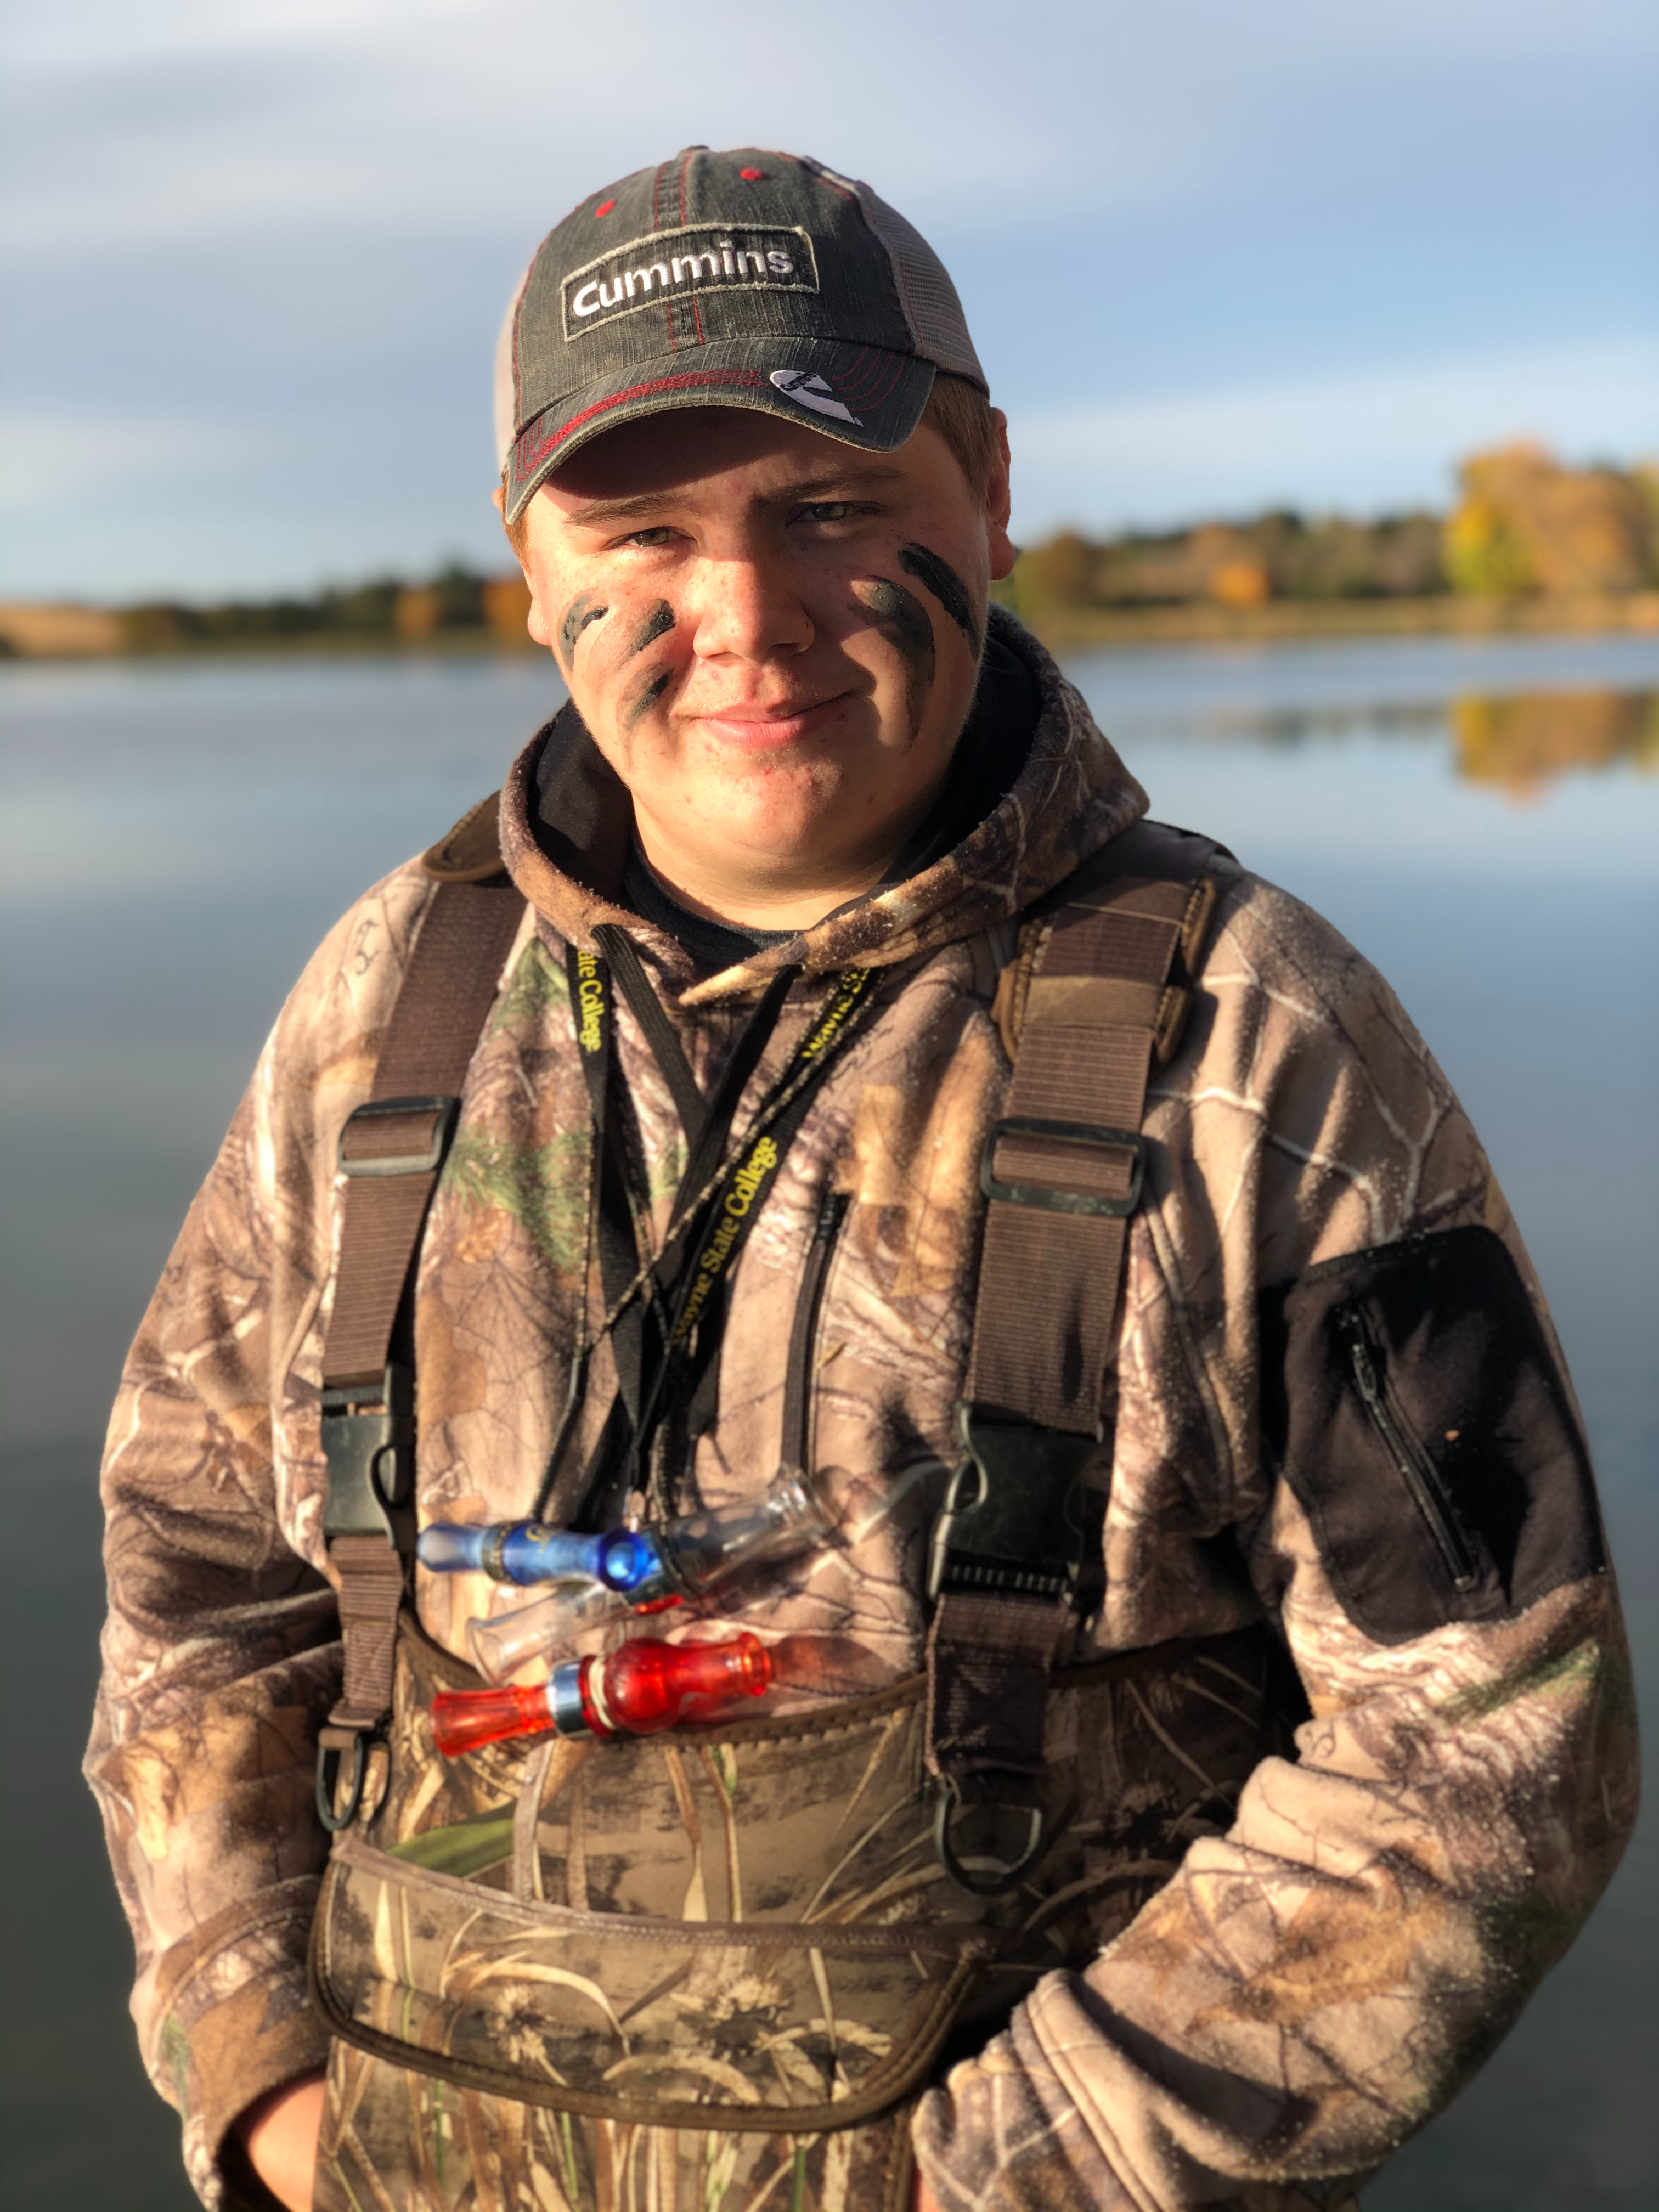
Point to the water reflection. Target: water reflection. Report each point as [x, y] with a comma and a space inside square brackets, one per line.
[1525, 742]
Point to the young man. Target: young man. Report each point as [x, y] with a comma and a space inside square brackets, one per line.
[848, 1081]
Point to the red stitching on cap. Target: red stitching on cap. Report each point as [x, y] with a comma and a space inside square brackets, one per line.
[848, 378]
[873, 392]
[752, 176]
[687, 379]
[878, 378]
[605, 207]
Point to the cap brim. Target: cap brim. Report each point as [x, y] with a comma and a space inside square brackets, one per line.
[860, 395]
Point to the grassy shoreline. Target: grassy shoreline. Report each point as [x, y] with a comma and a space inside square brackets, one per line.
[1073, 629]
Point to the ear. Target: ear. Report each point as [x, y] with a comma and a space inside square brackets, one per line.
[533, 621]
[999, 502]
[498, 500]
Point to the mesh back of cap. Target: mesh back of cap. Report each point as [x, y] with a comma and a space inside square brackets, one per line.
[506, 393]
[929, 297]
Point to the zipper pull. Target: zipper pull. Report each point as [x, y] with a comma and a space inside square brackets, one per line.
[1359, 1356]
[1418, 1471]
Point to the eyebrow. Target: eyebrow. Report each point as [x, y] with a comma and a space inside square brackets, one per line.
[805, 488]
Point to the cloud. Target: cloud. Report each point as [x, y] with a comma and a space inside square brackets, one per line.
[80, 37]
[52, 459]
[482, 112]
[202, 118]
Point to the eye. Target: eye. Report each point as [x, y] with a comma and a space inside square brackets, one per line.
[835, 510]
[659, 535]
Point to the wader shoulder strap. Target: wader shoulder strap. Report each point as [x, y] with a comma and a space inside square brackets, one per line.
[1100, 990]
[390, 1153]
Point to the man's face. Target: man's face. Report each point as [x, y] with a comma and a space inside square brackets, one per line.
[773, 638]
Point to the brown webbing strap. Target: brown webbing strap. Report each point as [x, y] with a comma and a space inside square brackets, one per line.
[447, 992]
[371, 1574]
[1102, 986]
[391, 1154]
[1049, 1277]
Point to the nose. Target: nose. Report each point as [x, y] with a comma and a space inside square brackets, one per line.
[744, 605]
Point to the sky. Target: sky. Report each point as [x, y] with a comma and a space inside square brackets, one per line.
[253, 253]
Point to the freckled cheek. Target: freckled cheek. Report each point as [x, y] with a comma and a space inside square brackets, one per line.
[874, 658]
[620, 658]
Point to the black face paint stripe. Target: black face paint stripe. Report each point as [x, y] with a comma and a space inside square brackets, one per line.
[900, 612]
[657, 624]
[906, 623]
[947, 587]
[577, 615]
[645, 698]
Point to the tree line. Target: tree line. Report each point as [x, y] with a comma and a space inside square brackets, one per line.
[458, 601]
[1523, 524]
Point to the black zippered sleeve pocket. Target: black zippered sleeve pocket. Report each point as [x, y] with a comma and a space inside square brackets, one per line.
[1411, 1399]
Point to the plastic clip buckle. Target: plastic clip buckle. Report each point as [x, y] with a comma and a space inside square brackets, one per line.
[1092, 1136]
[370, 1454]
[1017, 1517]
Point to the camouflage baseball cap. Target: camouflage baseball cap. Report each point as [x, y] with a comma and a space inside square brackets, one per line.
[745, 279]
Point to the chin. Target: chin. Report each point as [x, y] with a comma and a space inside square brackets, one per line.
[786, 836]
[772, 806]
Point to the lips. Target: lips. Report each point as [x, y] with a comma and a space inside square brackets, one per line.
[774, 728]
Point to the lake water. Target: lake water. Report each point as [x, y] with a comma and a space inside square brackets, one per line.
[1480, 817]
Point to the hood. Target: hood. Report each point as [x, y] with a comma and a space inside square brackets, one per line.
[1073, 796]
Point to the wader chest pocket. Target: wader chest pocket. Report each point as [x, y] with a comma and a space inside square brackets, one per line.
[668, 2023]
[748, 1928]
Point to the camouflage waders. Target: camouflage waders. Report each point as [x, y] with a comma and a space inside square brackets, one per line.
[717, 1966]
[714, 1968]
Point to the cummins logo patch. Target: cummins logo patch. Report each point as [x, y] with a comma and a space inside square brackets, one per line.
[676, 264]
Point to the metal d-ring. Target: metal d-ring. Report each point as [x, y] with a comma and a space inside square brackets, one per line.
[328, 1780]
[950, 1804]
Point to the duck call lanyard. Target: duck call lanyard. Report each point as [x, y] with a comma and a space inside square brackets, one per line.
[665, 1317]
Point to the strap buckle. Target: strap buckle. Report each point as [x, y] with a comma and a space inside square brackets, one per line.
[329, 1756]
[1019, 1518]
[371, 1459]
[1095, 1136]
[442, 1106]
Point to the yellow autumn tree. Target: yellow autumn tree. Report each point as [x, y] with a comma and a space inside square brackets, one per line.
[1527, 524]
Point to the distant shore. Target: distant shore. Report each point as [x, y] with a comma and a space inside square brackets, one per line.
[33, 632]
[1533, 548]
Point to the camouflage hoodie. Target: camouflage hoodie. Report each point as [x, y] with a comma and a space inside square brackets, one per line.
[1315, 1980]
